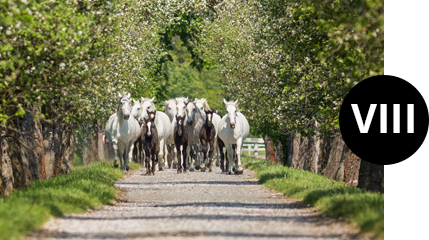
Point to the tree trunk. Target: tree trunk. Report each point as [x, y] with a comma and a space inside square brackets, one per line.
[371, 176]
[6, 173]
[269, 148]
[280, 158]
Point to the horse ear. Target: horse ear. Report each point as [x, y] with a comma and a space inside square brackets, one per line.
[224, 101]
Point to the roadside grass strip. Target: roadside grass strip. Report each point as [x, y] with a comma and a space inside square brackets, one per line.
[87, 187]
[360, 207]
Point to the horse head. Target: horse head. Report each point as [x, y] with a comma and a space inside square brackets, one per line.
[232, 109]
[191, 109]
[209, 118]
[170, 108]
[124, 105]
[150, 122]
[179, 122]
[147, 105]
[137, 110]
[181, 106]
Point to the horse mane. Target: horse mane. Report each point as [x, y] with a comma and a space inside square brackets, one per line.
[205, 103]
[231, 103]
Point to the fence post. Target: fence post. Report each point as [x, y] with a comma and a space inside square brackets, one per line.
[255, 152]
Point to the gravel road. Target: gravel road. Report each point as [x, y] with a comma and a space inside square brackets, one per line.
[197, 205]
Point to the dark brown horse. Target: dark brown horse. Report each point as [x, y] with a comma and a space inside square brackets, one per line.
[138, 148]
[150, 143]
[222, 155]
[181, 139]
[207, 135]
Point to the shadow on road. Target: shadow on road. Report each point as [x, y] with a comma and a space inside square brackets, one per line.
[191, 182]
[194, 234]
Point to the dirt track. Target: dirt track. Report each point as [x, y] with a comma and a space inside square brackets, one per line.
[199, 206]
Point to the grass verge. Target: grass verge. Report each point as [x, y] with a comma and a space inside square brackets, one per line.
[360, 207]
[87, 187]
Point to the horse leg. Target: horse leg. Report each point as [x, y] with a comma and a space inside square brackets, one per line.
[161, 154]
[121, 154]
[197, 159]
[216, 149]
[128, 151]
[179, 164]
[175, 155]
[239, 168]
[230, 158]
[185, 155]
[204, 144]
[152, 157]
[115, 149]
[189, 157]
[210, 155]
[147, 161]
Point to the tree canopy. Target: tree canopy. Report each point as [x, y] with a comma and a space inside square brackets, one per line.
[289, 63]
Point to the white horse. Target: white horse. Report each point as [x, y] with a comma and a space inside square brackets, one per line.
[162, 122]
[233, 129]
[202, 105]
[195, 121]
[170, 109]
[123, 131]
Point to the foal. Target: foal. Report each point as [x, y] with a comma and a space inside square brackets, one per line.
[207, 135]
[150, 141]
[181, 139]
[138, 147]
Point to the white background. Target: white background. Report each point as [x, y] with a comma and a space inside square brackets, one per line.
[406, 211]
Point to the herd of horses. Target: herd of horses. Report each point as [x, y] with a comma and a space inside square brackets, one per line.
[184, 125]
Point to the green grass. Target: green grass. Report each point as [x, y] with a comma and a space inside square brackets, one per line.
[85, 188]
[360, 207]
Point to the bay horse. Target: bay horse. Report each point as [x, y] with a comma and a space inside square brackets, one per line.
[208, 136]
[181, 140]
[150, 141]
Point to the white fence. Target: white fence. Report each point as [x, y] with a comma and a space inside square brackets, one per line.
[253, 144]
